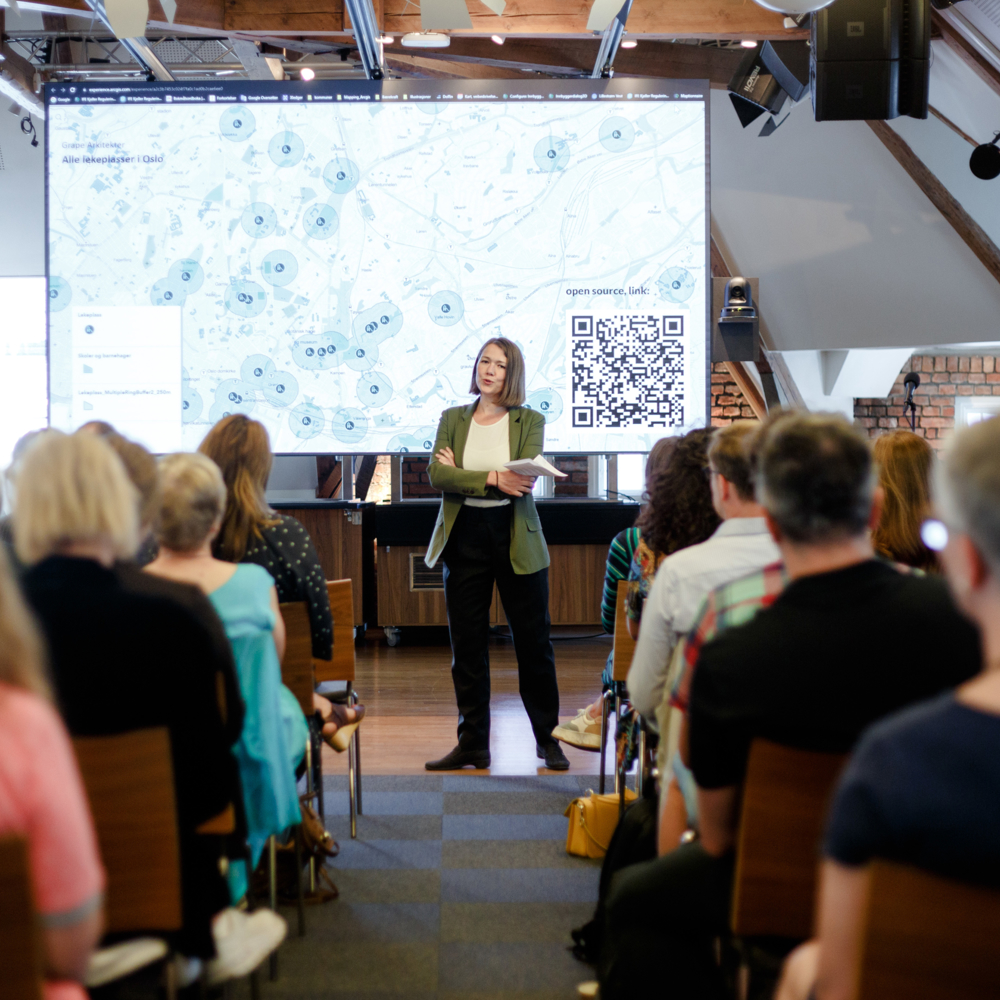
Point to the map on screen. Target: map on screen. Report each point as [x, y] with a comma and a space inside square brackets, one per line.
[329, 257]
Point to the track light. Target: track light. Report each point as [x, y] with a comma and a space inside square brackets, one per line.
[497, 39]
[985, 160]
[629, 44]
[749, 43]
[307, 74]
[387, 39]
[793, 6]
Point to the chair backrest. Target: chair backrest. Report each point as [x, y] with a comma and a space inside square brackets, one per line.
[624, 645]
[130, 784]
[297, 671]
[928, 938]
[785, 799]
[20, 941]
[341, 666]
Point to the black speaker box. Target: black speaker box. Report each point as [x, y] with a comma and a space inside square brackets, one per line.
[870, 59]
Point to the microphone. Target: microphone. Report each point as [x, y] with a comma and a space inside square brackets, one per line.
[911, 382]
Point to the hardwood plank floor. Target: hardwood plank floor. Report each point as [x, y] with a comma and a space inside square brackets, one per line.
[411, 714]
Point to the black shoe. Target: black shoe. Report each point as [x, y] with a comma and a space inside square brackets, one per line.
[460, 758]
[551, 753]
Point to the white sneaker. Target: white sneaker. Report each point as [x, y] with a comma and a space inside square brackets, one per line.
[242, 942]
[584, 731]
[120, 960]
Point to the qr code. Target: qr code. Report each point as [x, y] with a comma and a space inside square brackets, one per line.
[627, 370]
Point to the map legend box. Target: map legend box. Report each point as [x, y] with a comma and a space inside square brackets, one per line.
[126, 370]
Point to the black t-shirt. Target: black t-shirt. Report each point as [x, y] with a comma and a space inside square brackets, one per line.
[286, 551]
[123, 660]
[835, 652]
[923, 788]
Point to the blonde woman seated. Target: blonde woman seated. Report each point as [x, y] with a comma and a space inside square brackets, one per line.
[274, 728]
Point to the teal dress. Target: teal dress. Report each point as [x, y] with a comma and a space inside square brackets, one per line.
[274, 730]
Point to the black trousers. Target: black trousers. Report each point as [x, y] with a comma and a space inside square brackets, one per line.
[661, 921]
[476, 556]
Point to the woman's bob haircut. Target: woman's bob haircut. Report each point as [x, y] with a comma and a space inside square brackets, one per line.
[73, 488]
[193, 500]
[513, 386]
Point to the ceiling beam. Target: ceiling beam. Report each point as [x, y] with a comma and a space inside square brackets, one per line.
[968, 230]
[572, 57]
[965, 51]
[727, 19]
[439, 69]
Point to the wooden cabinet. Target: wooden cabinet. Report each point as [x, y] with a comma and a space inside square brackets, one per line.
[343, 534]
[576, 577]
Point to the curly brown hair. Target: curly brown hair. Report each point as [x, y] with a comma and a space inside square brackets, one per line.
[680, 512]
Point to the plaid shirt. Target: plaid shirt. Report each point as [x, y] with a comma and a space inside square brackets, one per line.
[731, 604]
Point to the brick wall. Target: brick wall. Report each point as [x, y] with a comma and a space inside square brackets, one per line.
[575, 485]
[415, 481]
[728, 403]
[943, 378]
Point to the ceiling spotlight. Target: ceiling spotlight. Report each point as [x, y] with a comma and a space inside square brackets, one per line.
[793, 6]
[985, 160]
[387, 39]
[748, 43]
[425, 40]
[629, 44]
[307, 74]
[497, 39]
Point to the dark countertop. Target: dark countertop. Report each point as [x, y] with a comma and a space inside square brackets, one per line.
[564, 522]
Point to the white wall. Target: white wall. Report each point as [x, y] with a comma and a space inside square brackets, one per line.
[849, 251]
[22, 196]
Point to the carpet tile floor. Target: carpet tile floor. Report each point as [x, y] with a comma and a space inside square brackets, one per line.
[457, 886]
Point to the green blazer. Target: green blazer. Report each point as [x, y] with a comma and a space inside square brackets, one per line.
[528, 551]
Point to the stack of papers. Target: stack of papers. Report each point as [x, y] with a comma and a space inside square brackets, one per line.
[536, 466]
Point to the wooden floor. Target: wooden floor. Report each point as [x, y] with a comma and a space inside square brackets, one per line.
[411, 714]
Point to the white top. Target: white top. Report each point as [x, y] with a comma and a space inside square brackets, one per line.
[738, 547]
[486, 449]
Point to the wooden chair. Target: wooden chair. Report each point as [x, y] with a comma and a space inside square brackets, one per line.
[928, 938]
[342, 668]
[298, 675]
[622, 653]
[785, 797]
[129, 780]
[21, 955]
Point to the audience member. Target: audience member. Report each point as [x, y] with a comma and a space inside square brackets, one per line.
[141, 469]
[123, 660]
[679, 513]
[923, 787]
[274, 730]
[7, 497]
[252, 533]
[740, 545]
[42, 799]
[904, 463]
[584, 731]
[835, 651]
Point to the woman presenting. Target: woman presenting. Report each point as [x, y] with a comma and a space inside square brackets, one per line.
[488, 531]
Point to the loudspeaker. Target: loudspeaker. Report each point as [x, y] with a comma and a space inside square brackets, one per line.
[870, 59]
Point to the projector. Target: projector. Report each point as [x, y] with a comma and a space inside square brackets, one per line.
[426, 40]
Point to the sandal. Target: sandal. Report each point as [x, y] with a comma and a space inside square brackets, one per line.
[345, 727]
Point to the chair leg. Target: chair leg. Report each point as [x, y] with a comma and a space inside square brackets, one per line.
[351, 788]
[170, 978]
[614, 737]
[357, 752]
[272, 871]
[604, 735]
[312, 793]
[300, 894]
[640, 763]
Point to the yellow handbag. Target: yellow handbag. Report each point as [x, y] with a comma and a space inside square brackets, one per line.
[592, 822]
